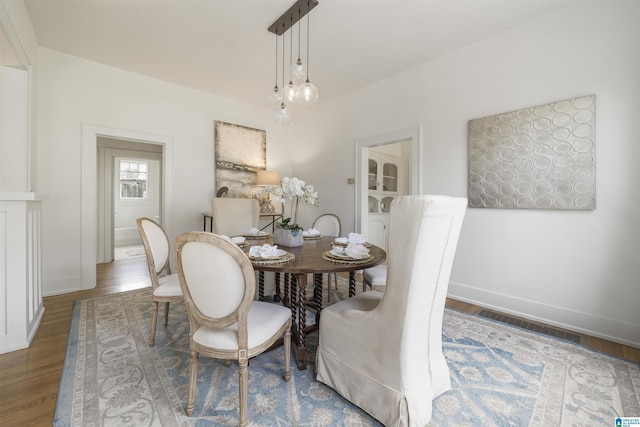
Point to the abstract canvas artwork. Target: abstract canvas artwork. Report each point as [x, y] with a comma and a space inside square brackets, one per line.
[537, 158]
[240, 152]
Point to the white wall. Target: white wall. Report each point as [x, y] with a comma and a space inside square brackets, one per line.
[14, 166]
[571, 268]
[18, 134]
[74, 91]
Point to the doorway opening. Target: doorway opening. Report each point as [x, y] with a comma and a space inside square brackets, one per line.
[369, 183]
[129, 187]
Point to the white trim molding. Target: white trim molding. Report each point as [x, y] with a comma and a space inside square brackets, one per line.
[21, 303]
[89, 217]
[596, 326]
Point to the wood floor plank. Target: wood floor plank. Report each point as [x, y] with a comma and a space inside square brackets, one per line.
[29, 378]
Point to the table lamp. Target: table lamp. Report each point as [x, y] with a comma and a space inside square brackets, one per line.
[266, 178]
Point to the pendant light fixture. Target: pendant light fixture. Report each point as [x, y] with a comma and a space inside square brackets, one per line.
[299, 73]
[275, 96]
[291, 90]
[305, 94]
[281, 115]
[308, 95]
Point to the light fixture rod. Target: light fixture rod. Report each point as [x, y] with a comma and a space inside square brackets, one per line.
[299, 9]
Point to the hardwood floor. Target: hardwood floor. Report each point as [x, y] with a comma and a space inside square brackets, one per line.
[29, 378]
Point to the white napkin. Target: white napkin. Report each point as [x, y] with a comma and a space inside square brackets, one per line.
[338, 250]
[342, 240]
[312, 232]
[352, 250]
[356, 251]
[237, 239]
[357, 238]
[255, 232]
[265, 251]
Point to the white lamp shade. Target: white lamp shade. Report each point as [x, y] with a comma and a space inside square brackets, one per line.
[265, 177]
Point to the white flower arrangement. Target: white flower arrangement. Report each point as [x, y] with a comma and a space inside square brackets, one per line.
[294, 189]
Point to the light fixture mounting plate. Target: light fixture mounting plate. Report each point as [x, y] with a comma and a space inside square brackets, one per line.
[299, 9]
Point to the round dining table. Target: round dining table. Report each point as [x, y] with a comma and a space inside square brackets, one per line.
[310, 258]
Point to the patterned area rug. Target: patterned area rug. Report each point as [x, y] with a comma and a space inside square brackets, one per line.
[501, 376]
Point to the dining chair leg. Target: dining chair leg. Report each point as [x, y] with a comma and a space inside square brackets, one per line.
[154, 320]
[243, 388]
[193, 374]
[166, 314]
[287, 354]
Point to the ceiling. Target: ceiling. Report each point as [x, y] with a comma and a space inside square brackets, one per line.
[223, 46]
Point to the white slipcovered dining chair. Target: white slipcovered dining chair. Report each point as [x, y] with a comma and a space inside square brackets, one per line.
[218, 283]
[234, 216]
[328, 225]
[401, 329]
[165, 286]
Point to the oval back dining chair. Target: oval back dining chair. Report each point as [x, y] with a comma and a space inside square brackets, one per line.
[329, 225]
[400, 329]
[165, 285]
[218, 283]
[375, 278]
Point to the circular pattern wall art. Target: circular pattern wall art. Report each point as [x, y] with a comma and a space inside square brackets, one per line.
[537, 158]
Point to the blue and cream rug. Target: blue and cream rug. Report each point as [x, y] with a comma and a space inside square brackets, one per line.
[501, 376]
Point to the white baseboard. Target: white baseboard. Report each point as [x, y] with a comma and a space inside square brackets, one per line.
[580, 322]
[61, 286]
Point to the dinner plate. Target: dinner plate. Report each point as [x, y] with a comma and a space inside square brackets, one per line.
[279, 254]
[365, 244]
[343, 256]
[316, 237]
[330, 255]
[257, 236]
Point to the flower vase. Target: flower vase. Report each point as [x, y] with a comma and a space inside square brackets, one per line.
[287, 237]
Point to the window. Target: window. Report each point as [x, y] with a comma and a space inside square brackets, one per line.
[133, 179]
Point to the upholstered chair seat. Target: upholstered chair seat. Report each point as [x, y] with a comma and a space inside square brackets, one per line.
[375, 278]
[168, 286]
[262, 320]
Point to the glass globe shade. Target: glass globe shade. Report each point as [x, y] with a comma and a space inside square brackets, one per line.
[299, 73]
[290, 93]
[308, 95]
[281, 116]
[274, 98]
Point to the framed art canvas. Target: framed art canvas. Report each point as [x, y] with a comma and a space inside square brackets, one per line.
[536, 158]
[240, 152]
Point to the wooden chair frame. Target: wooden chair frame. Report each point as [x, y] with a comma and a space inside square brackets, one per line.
[198, 319]
[155, 274]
